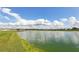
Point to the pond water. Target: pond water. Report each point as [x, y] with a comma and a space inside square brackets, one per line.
[52, 40]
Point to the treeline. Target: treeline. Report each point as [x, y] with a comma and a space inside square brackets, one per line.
[73, 29]
[69, 29]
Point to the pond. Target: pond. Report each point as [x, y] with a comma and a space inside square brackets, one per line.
[52, 40]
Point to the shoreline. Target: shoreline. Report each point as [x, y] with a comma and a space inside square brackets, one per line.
[35, 30]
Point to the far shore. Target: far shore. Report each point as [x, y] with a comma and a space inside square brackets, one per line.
[38, 30]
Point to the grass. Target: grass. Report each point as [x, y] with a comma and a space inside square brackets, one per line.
[11, 42]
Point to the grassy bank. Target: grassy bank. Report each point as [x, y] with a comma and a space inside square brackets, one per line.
[11, 42]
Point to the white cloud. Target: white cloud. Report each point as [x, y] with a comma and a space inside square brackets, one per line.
[58, 24]
[8, 11]
[43, 23]
[72, 20]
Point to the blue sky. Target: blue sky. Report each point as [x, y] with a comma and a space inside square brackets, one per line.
[50, 13]
[59, 17]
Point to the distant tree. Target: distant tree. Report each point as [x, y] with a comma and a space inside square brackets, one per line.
[74, 28]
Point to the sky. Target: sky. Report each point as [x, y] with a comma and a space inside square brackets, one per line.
[50, 13]
[46, 17]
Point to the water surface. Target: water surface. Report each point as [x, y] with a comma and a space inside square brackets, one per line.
[53, 40]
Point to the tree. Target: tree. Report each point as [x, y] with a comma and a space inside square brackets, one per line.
[74, 28]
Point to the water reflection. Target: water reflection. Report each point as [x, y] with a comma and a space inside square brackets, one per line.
[53, 40]
[45, 36]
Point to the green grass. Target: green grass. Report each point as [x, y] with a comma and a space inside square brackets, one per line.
[11, 42]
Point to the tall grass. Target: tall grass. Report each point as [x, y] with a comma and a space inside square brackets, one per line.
[11, 42]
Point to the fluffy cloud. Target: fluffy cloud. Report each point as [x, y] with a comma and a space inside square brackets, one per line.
[39, 23]
[58, 24]
[8, 11]
[73, 22]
